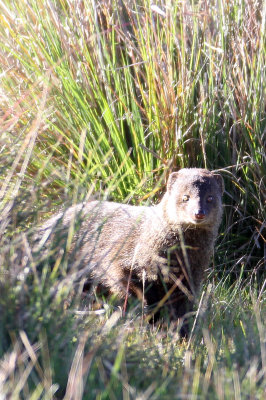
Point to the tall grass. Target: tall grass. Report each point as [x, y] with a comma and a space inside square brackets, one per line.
[106, 99]
[112, 94]
[73, 353]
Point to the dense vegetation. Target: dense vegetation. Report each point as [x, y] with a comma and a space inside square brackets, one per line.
[107, 98]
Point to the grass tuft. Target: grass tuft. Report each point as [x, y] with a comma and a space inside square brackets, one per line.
[105, 99]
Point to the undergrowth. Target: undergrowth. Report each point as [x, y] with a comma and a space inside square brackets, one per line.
[105, 99]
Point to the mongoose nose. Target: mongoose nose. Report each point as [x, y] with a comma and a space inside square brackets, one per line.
[200, 214]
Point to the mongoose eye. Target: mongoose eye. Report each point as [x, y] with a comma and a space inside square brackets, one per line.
[185, 198]
[209, 199]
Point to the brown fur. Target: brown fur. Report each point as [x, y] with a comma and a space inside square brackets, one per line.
[168, 245]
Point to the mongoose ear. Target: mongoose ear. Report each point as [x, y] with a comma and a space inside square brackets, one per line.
[220, 181]
[171, 180]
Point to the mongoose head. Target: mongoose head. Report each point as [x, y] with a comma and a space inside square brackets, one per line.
[194, 197]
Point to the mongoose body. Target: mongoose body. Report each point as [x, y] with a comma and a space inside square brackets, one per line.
[165, 247]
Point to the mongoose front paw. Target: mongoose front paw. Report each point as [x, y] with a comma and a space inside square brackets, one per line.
[162, 266]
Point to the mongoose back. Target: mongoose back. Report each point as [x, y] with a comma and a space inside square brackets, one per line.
[163, 249]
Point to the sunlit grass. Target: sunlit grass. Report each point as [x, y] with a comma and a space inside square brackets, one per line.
[107, 98]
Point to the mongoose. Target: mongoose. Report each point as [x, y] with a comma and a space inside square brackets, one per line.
[158, 253]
